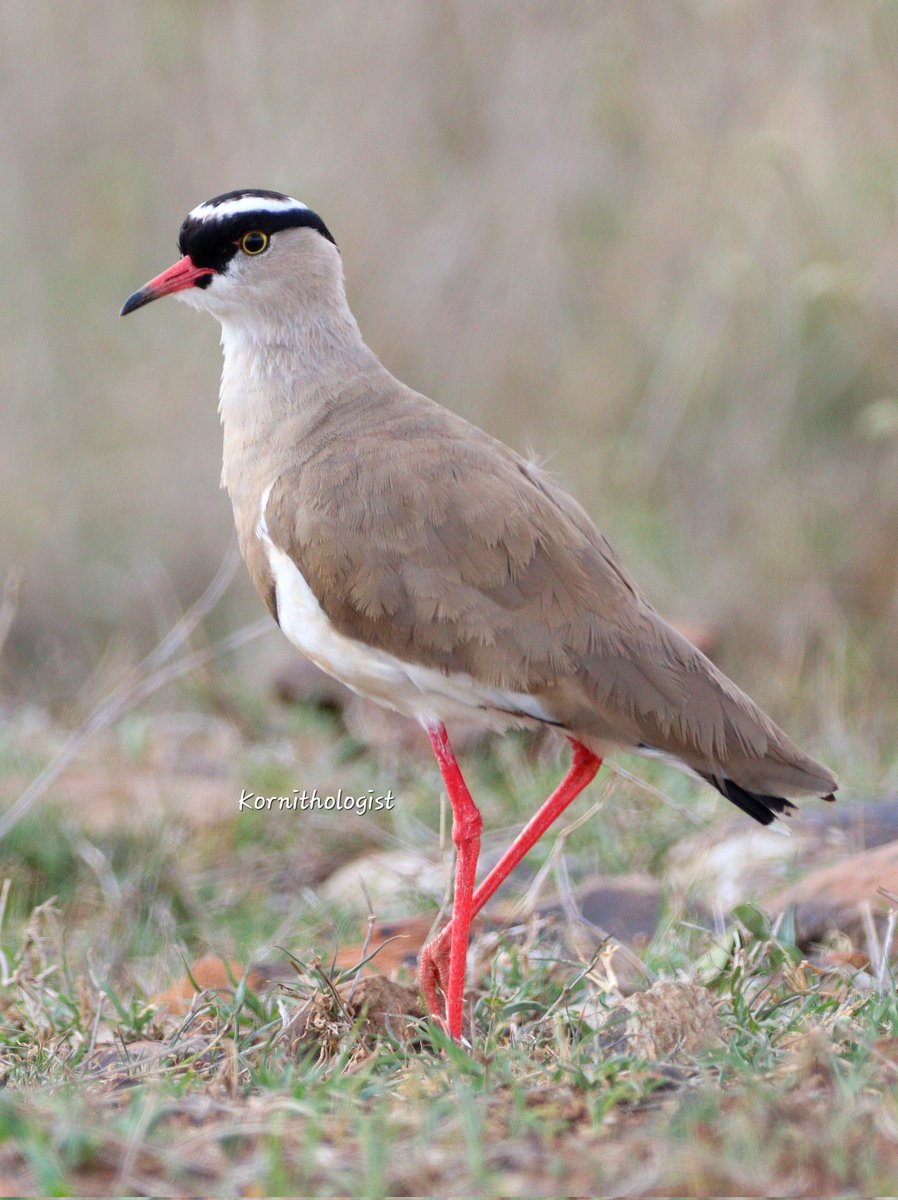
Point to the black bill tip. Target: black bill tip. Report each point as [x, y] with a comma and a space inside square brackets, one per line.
[137, 300]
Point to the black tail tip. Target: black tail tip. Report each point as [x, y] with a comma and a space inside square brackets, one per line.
[762, 808]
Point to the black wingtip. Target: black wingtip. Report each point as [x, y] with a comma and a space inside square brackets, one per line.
[761, 807]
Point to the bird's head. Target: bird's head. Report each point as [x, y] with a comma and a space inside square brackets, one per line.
[245, 254]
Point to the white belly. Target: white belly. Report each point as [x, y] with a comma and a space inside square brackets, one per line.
[422, 693]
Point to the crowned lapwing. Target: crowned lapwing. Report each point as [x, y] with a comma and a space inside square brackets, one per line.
[433, 569]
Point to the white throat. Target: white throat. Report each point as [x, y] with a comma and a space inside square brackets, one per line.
[277, 375]
[270, 362]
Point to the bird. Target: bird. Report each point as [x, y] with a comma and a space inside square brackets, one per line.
[434, 570]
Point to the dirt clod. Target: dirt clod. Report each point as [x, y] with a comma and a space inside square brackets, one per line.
[670, 1020]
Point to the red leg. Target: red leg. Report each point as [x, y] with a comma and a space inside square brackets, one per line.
[433, 967]
[466, 826]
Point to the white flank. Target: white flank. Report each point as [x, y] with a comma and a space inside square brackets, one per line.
[423, 693]
[251, 203]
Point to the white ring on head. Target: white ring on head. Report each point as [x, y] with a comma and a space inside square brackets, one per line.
[244, 204]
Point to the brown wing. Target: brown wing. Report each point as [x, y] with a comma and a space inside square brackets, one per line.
[438, 544]
[424, 537]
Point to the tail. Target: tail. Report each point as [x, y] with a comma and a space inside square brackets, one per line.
[649, 688]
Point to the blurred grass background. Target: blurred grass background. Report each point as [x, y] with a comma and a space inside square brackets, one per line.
[655, 244]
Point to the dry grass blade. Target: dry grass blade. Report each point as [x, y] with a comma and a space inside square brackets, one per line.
[372, 920]
[9, 602]
[152, 673]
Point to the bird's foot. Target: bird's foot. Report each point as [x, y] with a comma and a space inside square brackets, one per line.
[433, 974]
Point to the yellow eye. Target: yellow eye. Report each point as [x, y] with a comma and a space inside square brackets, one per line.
[254, 242]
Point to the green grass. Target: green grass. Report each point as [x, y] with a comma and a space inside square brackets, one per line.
[537, 1105]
